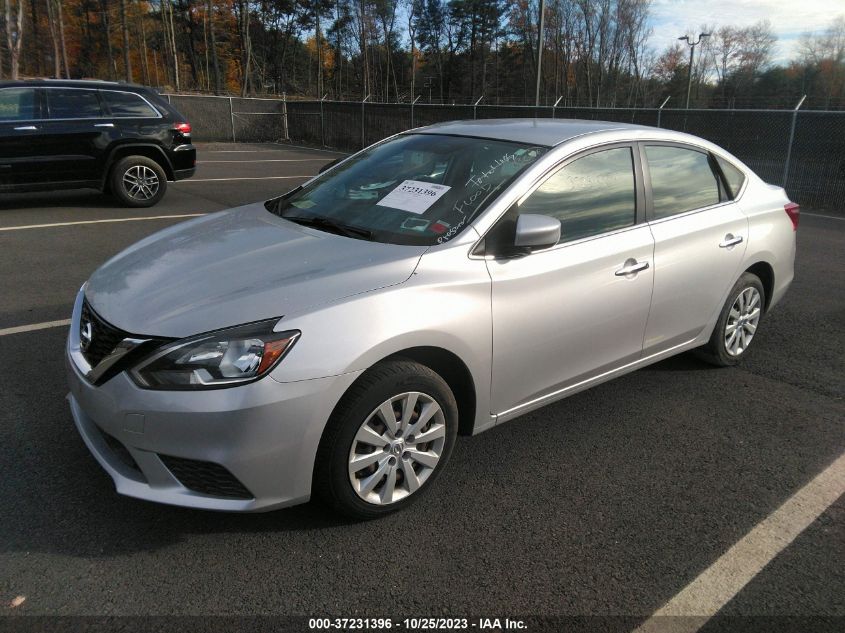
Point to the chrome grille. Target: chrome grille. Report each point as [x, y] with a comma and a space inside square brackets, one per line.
[103, 336]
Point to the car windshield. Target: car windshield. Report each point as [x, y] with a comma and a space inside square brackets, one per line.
[414, 189]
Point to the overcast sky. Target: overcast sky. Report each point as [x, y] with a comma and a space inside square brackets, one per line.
[789, 18]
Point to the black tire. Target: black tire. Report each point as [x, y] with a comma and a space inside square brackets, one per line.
[120, 188]
[383, 381]
[716, 352]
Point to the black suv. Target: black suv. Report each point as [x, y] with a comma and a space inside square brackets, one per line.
[121, 139]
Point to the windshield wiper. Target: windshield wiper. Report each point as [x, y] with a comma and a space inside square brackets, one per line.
[327, 224]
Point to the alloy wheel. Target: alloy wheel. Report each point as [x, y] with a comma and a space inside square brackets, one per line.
[397, 448]
[742, 321]
[140, 182]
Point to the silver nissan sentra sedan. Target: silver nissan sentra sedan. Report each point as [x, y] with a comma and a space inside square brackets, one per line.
[334, 341]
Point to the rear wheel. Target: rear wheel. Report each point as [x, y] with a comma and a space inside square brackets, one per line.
[737, 324]
[138, 181]
[387, 441]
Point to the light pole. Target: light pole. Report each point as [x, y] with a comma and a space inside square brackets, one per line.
[692, 46]
[540, 53]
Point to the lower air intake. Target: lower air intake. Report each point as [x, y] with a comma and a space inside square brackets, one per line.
[206, 478]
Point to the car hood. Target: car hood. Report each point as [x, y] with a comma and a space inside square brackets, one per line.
[236, 267]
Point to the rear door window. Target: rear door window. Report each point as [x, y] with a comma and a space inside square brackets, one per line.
[127, 105]
[18, 104]
[73, 103]
[681, 180]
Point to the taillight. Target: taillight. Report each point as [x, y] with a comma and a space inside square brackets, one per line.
[183, 128]
[794, 212]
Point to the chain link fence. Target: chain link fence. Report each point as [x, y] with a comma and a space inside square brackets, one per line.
[235, 119]
[803, 150]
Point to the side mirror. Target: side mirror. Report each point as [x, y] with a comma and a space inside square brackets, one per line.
[328, 166]
[536, 231]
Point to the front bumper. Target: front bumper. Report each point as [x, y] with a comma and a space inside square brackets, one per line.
[264, 434]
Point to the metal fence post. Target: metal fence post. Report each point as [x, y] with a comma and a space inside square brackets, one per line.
[660, 109]
[232, 118]
[475, 106]
[412, 110]
[285, 115]
[363, 141]
[323, 121]
[555, 105]
[791, 139]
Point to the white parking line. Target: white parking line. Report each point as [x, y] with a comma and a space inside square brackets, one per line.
[718, 584]
[184, 182]
[313, 149]
[281, 147]
[35, 326]
[149, 217]
[265, 160]
[819, 215]
[240, 151]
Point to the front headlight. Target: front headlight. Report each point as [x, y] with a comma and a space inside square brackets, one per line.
[218, 359]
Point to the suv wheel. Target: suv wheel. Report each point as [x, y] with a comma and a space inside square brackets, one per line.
[388, 439]
[138, 181]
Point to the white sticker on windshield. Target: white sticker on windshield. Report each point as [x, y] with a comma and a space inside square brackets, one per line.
[413, 196]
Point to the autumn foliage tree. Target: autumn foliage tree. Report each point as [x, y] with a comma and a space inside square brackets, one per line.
[595, 53]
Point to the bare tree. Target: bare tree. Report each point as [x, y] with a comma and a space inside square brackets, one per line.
[145, 69]
[104, 7]
[52, 20]
[14, 36]
[124, 27]
[214, 61]
[60, 14]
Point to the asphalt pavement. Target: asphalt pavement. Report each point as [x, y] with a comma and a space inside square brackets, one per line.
[605, 504]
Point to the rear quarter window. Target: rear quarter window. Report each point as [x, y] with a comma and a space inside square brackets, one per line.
[127, 105]
[733, 175]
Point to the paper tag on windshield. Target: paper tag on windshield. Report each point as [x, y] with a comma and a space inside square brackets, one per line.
[413, 196]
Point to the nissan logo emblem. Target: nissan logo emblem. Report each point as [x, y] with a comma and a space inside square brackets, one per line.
[86, 333]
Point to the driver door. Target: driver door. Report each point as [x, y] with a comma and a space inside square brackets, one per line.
[579, 309]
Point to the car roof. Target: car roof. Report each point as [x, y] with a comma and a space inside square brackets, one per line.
[548, 132]
[74, 83]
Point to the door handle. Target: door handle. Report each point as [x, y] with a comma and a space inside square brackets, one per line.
[104, 125]
[24, 128]
[631, 267]
[730, 240]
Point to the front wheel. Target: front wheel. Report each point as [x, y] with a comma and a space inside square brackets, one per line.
[138, 181]
[737, 324]
[387, 440]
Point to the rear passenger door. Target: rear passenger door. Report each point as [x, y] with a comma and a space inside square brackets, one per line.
[699, 241]
[22, 142]
[80, 132]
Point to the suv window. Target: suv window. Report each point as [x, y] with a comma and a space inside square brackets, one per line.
[733, 175]
[591, 195]
[18, 104]
[127, 105]
[73, 103]
[681, 180]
